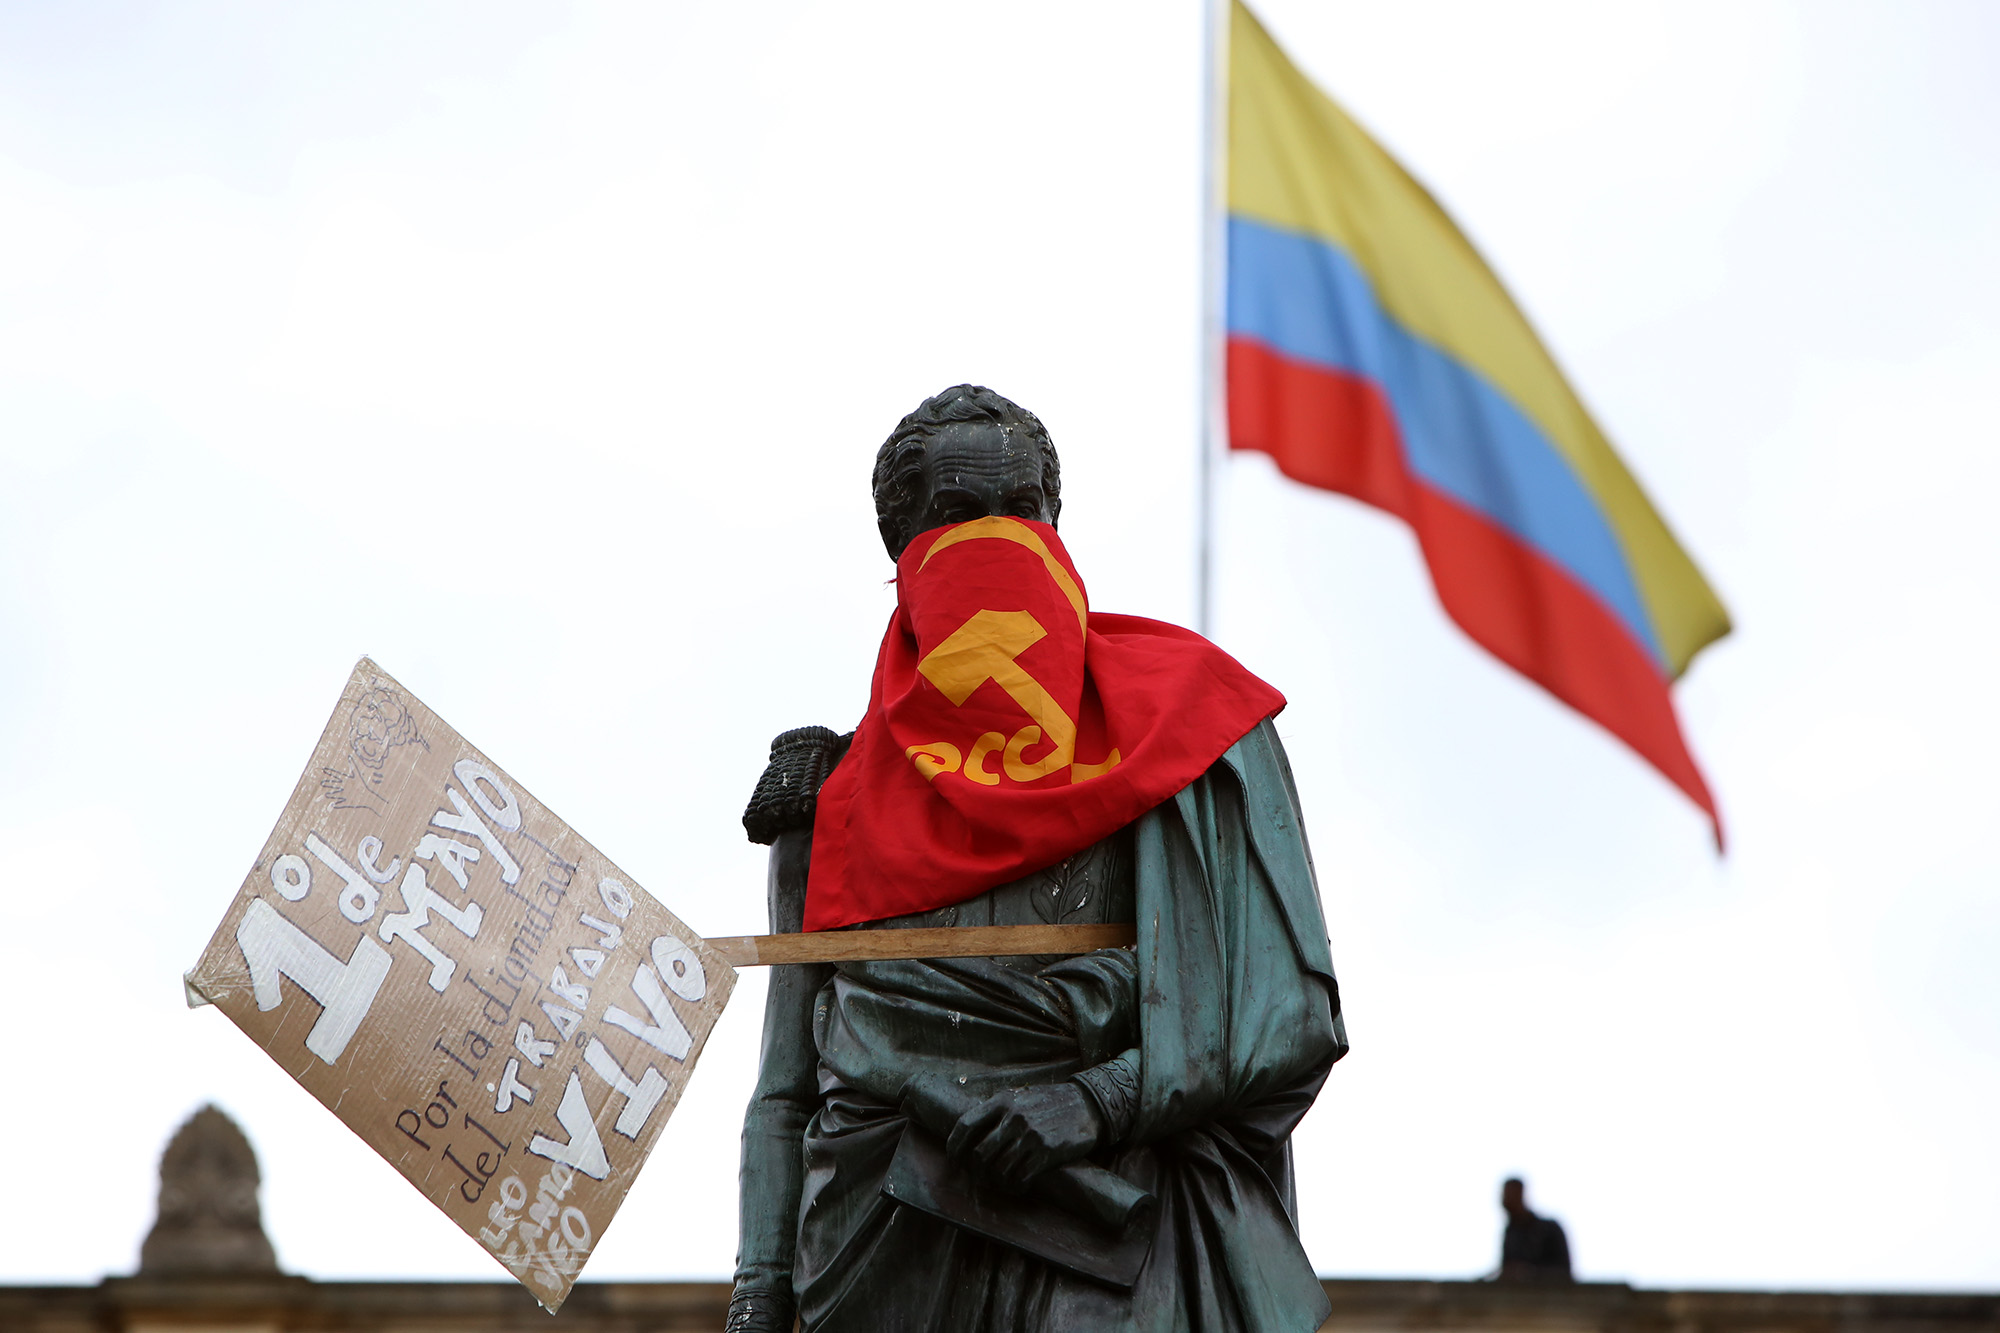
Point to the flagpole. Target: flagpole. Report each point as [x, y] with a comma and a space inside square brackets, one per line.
[1210, 361]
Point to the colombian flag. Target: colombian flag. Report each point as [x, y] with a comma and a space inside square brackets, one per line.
[1371, 352]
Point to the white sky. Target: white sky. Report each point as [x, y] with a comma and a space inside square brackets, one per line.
[541, 352]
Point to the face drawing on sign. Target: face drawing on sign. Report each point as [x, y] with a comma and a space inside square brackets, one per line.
[380, 722]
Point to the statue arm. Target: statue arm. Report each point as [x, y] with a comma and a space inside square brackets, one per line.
[787, 1094]
[1100, 992]
[781, 815]
[1233, 943]
[1113, 1088]
[1018, 1133]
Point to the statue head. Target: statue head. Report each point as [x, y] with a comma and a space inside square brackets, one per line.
[1514, 1196]
[963, 454]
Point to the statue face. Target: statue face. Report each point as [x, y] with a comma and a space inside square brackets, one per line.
[974, 470]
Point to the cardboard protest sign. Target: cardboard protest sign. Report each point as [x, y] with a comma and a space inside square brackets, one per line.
[471, 987]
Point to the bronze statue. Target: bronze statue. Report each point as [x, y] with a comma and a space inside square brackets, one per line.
[1090, 1142]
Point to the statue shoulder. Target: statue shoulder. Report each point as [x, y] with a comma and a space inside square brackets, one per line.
[788, 792]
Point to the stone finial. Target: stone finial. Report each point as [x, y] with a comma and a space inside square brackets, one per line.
[208, 1219]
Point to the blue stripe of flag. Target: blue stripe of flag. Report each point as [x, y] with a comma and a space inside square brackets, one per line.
[1309, 301]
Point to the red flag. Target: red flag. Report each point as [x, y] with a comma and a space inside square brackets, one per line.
[1009, 727]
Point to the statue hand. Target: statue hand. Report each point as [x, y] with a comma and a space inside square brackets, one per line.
[1018, 1134]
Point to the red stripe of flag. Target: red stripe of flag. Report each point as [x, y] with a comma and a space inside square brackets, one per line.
[1336, 431]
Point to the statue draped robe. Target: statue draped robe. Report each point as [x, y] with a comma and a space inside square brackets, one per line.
[1204, 1046]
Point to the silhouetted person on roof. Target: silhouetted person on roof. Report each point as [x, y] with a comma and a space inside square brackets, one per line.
[1535, 1248]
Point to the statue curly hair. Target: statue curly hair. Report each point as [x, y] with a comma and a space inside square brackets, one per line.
[899, 462]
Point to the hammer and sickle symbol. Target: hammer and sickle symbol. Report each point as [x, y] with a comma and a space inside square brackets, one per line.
[985, 648]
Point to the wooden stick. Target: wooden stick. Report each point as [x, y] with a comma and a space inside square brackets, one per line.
[856, 946]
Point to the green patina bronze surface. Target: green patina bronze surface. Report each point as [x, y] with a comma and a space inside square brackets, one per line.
[1182, 1065]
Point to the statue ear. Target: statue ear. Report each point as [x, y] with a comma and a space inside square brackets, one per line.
[895, 534]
